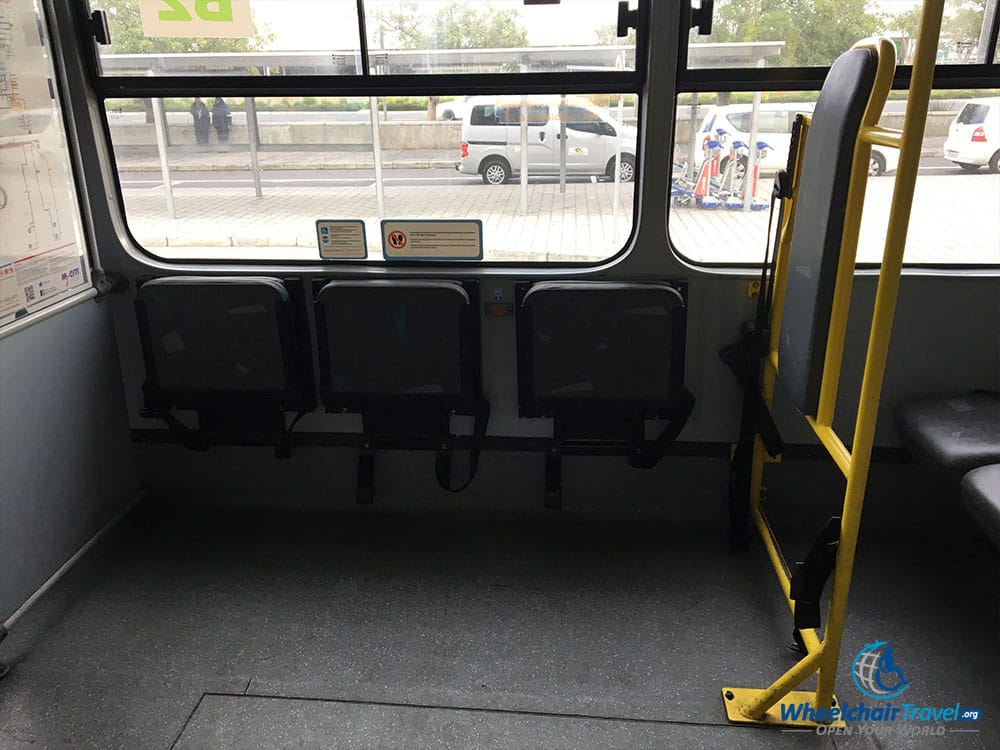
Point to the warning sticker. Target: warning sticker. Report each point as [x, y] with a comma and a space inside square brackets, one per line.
[341, 239]
[432, 239]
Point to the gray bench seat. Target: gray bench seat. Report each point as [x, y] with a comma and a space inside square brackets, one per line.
[981, 495]
[956, 433]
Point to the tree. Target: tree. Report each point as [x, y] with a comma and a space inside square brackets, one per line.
[462, 26]
[127, 38]
[960, 29]
[607, 36]
[402, 24]
[904, 28]
[815, 32]
[455, 26]
[125, 25]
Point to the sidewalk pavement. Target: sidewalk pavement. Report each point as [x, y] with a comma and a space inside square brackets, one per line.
[954, 220]
[585, 222]
[236, 158]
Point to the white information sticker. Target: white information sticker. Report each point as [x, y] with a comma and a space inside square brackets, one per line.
[341, 239]
[432, 239]
[196, 18]
[41, 251]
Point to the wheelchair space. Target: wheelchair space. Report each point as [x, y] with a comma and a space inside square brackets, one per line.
[201, 627]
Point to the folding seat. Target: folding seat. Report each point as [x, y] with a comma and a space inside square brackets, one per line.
[601, 358]
[404, 354]
[233, 349]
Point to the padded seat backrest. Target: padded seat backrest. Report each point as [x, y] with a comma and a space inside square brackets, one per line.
[210, 339]
[585, 343]
[407, 339]
[819, 224]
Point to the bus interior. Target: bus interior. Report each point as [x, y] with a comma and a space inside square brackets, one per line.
[311, 437]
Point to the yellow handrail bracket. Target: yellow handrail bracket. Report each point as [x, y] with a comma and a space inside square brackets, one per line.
[781, 704]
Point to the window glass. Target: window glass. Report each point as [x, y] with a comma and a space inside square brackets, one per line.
[739, 121]
[501, 36]
[722, 218]
[247, 179]
[972, 114]
[508, 112]
[233, 37]
[778, 33]
[268, 37]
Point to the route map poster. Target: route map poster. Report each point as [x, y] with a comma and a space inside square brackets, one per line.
[41, 249]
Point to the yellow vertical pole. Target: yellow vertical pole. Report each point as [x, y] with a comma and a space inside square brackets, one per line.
[878, 343]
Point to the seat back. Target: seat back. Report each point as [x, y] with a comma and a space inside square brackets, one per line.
[600, 346]
[819, 224]
[211, 341]
[401, 344]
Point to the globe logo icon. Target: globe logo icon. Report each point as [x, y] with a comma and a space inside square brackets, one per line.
[876, 674]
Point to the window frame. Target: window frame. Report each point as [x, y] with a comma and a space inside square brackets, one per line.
[367, 84]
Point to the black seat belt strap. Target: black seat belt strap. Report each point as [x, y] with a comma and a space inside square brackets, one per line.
[757, 419]
[364, 492]
[648, 453]
[743, 357]
[284, 447]
[810, 576]
[442, 464]
[183, 434]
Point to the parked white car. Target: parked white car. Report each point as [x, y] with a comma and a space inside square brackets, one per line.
[974, 136]
[491, 139]
[774, 127]
[453, 109]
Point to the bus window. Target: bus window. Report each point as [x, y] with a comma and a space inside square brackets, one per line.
[775, 33]
[733, 211]
[232, 144]
[269, 38]
[739, 138]
[313, 159]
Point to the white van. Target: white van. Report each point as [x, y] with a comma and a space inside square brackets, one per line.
[491, 139]
[774, 127]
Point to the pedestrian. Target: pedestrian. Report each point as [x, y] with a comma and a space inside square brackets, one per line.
[222, 119]
[202, 121]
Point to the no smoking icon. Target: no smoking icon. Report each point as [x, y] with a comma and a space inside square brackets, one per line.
[396, 240]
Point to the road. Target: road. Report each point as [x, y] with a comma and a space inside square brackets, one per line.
[365, 177]
[300, 178]
[240, 118]
[298, 116]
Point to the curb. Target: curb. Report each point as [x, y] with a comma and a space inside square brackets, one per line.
[306, 166]
[287, 166]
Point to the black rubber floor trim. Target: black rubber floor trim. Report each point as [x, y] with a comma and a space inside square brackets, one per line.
[472, 709]
[187, 721]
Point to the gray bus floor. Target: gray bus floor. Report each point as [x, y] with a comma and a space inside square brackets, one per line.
[199, 628]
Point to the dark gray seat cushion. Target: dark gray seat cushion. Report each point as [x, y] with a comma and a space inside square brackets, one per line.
[399, 338]
[981, 495]
[952, 432]
[585, 342]
[217, 335]
[820, 211]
